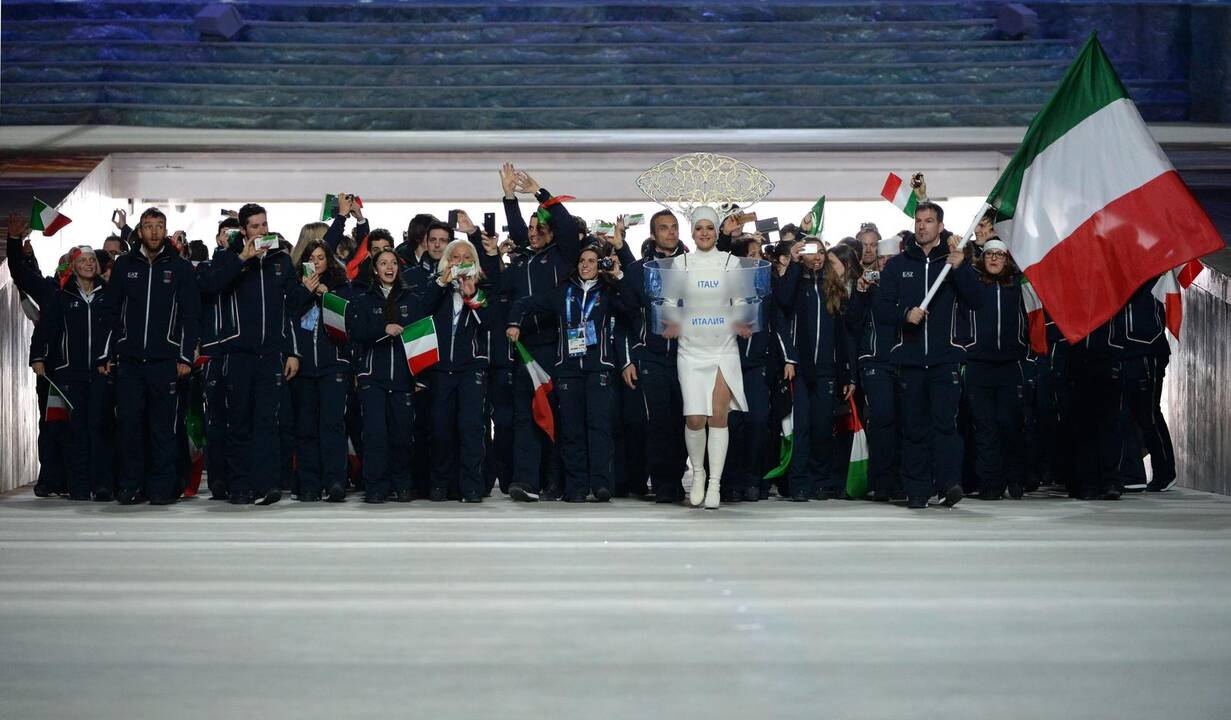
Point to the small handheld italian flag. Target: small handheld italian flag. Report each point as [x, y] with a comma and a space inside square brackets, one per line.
[817, 213]
[857, 471]
[1035, 317]
[787, 447]
[540, 406]
[900, 194]
[333, 309]
[58, 406]
[194, 429]
[419, 340]
[1167, 292]
[47, 219]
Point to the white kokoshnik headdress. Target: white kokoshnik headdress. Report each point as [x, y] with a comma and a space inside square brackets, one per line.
[692, 184]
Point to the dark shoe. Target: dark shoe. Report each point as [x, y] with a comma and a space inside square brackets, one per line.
[403, 496]
[240, 499]
[878, 496]
[832, 494]
[85, 498]
[472, 497]
[314, 496]
[129, 499]
[1160, 486]
[1110, 494]
[374, 499]
[103, 496]
[990, 494]
[917, 503]
[553, 492]
[337, 493]
[163, 501]
[520, 493]
[602, 495]
[1016, 491]
[270, 498]
[799, 496]
[438, 494]
[952, 496]
[752, 494]
[219, 496]
[577, 498]
[41, 490]
[665, 499]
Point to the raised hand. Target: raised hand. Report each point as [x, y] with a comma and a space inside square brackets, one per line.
[508, 180]
[18, 225]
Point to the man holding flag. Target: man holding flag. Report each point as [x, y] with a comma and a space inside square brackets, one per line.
[929, 353]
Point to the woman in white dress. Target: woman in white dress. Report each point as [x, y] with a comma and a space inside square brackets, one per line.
[711, 380]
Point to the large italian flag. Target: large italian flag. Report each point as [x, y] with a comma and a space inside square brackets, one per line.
[1090, 206]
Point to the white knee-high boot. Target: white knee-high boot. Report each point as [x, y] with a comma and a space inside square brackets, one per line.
[694, 440]
[718, 440]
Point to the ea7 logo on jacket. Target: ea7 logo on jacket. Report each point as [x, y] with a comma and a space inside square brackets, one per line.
[133, 275]
[166, 277]
[908, 273]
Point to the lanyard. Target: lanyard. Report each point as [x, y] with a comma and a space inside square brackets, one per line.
[586, 308]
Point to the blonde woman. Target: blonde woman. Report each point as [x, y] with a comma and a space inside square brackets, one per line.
[457, 301]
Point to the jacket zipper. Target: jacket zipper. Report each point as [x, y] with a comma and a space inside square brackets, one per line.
[816, 345]
[149, 290]
[261, 271]
[997, 316]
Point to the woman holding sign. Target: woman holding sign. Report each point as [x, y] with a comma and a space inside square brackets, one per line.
[381, 315]
[584, 375]
[318, 320]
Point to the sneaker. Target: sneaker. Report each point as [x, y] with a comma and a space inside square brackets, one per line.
[102, 496]
[403, 496]
[240, 499]
[1015, 491]
[520, 493]
[917, 503]
[577, 498]
[1111, 493]
[162, 501]
[799, 496]
[438, 494]
[952, 497]
[1159, 486]
[602, 495]
[472, 497]
[752, 494]
[373, 499]
[313, 496]
[129, 499]
[337, 493]
[270, 498]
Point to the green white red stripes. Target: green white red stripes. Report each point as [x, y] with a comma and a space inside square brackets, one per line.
[58, 406]
[1035, 317]
[333, 312]
[1090, 205]
[46, 219]
[900, 194]
[540, 405]
[857, 470]
[419, 341]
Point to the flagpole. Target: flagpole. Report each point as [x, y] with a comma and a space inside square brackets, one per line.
[944, 272]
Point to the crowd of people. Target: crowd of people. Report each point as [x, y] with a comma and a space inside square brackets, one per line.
[296, 367]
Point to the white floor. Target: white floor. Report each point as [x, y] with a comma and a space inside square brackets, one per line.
[1046, 608]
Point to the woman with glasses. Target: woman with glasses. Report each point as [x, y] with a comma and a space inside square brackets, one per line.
[995, 374]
